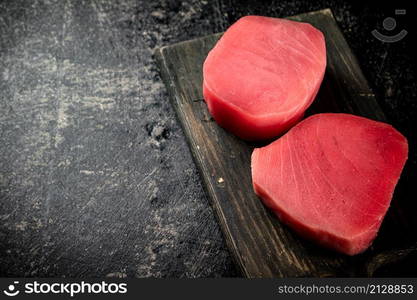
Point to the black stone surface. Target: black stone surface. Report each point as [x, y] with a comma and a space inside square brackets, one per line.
[96, 178]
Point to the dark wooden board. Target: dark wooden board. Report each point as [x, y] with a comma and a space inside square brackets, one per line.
[260, 244]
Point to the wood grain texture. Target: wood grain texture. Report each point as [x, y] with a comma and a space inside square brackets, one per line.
[260, 244]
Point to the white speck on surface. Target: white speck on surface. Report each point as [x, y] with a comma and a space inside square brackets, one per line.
[153, 188]
[62, 116]
[64, 163]
[158, 14]
[100, 102]
[157, 131]
[22, 225]
[87, 172]
[116, 275]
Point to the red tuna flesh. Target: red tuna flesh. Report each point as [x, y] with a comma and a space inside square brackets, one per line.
[262, 75]
[331, 178]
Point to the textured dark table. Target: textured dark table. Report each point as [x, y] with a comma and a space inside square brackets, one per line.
[96, 178]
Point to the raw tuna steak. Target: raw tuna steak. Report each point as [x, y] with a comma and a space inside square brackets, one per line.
[262, 75]
[331, 178]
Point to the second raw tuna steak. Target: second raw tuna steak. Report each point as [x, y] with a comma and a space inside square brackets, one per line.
[331, 178]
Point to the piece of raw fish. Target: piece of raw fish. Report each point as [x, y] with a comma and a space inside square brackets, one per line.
[262, 75]
[331, 178]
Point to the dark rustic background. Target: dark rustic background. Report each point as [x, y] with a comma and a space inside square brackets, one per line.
[96, 178]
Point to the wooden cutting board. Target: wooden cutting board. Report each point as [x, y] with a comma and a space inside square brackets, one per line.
[260, 244]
